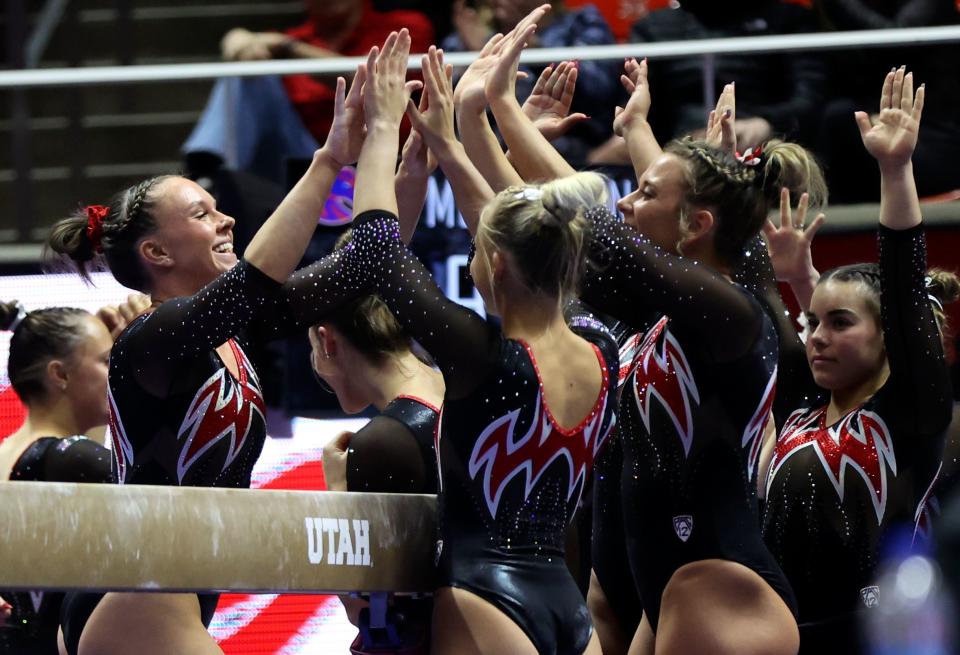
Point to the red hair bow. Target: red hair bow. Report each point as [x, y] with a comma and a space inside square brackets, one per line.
[751, 157]
[95, 216]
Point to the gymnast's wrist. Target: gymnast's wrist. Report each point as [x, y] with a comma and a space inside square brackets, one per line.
[448, 150]
[323, 160]
[504, 103]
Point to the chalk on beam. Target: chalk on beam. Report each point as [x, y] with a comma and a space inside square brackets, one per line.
[128, 537]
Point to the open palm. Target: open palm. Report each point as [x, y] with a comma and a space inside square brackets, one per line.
[347, 130]
[548, 106]
[789, 244]
[470, 94]
[892, 139]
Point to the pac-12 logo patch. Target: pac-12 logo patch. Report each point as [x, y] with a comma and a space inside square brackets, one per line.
[870, 596]
[683, 526]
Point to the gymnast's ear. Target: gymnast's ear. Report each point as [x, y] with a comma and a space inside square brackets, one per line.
[154, 253]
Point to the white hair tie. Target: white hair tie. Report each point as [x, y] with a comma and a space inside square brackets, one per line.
[21, 314]
[528, 193]
[928, 283]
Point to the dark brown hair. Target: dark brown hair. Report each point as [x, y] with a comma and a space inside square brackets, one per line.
[40, 336]
[943, 287]
[367, 322]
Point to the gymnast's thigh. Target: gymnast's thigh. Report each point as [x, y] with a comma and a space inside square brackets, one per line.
[147, 624]
[466, 624]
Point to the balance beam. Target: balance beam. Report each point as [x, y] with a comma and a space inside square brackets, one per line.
[129, 537]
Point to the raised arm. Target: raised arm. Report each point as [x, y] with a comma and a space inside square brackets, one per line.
[279, 244]
[548, 105]
[631, 121]
[384, 100]
[721, 121]
[629, 277]
[789, 246]
[891, 142]
[183, 328]
[530, 152]
[470, 101]
[919, 378]
[463, 346]
[786, 254]
[417, 163]
[435, 124]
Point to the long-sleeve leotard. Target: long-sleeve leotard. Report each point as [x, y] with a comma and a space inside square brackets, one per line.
[838, 488]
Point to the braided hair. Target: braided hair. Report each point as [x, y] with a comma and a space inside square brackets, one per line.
[740, 195]
[943, 287]
[129, 219]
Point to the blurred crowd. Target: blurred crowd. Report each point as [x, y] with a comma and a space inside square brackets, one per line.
[257, 124]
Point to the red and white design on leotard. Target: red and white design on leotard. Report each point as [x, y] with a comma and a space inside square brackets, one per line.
[122, 448]
[628, 357]
[753, 434]
[222, 407]
[667, 376]
[502, 456]
[860, 440]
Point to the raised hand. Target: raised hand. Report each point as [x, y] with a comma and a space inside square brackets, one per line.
[433, 120]
[347, 130]
[721, 131]
[501, 80]
[117, 317]
[469, 95]
[416, 159]
[789, 244]
[638, 106]
[386, 91]
[548, 106]
[892, 139]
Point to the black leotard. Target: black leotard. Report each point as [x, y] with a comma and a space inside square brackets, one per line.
[394, 452]
[609, 559]
[692, 413]
[833, 491]
[32, 626]
[178, 416]
[510, 477]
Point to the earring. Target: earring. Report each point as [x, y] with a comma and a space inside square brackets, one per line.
[63, 386]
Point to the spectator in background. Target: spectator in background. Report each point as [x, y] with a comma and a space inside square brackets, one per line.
[596, 95]
[850, 173]
[438, 11]
[255, 124]
[779, 94]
